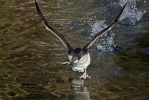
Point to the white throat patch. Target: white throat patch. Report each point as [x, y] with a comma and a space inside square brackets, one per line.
[82, 64]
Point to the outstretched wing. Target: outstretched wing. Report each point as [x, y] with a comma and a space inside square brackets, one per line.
[103, 31]
[56, 33]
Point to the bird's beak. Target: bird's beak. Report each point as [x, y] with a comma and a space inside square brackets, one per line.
[70, 62]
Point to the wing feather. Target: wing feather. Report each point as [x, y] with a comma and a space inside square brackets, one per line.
[52, 30]
[98, 35]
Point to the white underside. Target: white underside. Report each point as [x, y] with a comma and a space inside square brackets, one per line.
[82, 64]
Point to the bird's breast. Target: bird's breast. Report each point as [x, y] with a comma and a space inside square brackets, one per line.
[83, 62]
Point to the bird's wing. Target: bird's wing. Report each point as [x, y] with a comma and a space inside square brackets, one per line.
[98, 35]
[55, 32]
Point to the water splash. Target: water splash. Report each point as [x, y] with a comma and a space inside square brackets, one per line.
[106, 42]
[130, 16]
[98, 26]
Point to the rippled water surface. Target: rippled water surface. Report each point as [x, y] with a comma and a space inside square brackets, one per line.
[30, 56]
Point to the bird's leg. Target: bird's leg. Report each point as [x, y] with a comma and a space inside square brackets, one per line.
[85, 75]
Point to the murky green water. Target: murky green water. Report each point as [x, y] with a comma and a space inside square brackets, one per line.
[30, 55]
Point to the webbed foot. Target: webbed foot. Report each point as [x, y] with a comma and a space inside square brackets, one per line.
[85, 75]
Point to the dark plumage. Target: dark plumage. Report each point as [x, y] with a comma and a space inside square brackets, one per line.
[78, 57]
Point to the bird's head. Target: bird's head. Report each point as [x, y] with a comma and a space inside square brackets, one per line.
[75, 59]
[75, 56]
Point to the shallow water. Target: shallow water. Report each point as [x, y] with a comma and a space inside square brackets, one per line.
[30, 55]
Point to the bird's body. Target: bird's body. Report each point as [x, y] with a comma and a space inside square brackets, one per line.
[82, 63]
[79, 58]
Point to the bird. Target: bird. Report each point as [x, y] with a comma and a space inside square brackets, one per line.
[79, 58]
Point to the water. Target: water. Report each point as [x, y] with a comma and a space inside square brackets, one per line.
[130, 16]
[30, 55]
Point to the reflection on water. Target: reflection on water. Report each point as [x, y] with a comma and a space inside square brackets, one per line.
[30, 55]
[80, 91]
